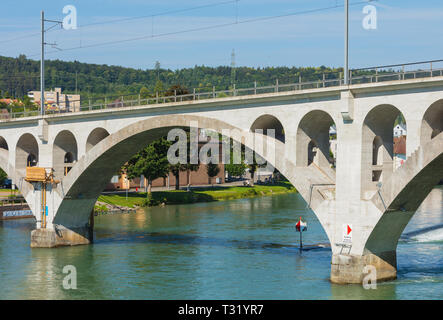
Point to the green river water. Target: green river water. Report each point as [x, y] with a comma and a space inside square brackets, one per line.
[240, 249]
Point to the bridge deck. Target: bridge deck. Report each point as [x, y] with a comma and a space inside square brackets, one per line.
[278, 91]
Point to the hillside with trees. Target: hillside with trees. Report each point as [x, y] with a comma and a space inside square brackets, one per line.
[20, 75]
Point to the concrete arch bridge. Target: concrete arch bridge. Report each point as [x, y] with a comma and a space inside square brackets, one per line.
[363, 191]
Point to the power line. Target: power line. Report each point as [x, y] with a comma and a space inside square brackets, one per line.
[207, 27]
[21, 37]
[132, 18]
[160, 14]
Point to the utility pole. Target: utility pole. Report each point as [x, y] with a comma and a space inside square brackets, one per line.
[42, 68]
[233, 68]
[42, 61]
[346, 70]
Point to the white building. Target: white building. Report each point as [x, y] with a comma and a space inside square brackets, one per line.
[399, 130]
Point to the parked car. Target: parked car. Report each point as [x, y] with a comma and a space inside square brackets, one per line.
[7, 184]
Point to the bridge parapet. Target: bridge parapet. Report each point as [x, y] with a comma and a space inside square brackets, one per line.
[359, 78]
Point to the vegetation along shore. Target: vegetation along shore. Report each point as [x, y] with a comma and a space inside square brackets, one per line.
[119, 202]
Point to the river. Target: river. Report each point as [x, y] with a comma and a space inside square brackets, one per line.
[240, 249]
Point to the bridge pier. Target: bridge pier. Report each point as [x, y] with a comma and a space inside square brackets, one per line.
[60, 236]
[352, 269]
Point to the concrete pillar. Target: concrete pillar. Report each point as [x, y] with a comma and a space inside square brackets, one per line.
[352, 269]
[56, 236]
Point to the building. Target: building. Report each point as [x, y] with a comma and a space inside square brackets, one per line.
[9, 102]
[333, 131]
[400, 130]
[199, 177]
[333, 148]
[399, 151]
[56, 100]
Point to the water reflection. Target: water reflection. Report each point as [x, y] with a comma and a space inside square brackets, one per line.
[221, 250]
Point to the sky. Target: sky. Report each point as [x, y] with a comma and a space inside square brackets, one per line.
[182, 34]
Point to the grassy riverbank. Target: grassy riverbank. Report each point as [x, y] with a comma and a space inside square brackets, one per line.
[207, 194]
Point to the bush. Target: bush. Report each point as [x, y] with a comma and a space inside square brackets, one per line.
[100, 209]
[150, 202]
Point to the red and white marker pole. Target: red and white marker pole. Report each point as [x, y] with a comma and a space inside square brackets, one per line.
[300, 227]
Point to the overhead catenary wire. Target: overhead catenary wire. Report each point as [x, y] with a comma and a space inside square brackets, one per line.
[130, 18]
[152, 35]
[19, 77]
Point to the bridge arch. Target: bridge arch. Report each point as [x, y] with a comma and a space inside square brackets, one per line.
[378, 147]
[313, 139]
[432, 122]
[378, 151]
[96, 135]
[3, 143]
[27, 152]
[266, 122]
[4, 153]
[80, 189]
[64, 153]
[414, 180]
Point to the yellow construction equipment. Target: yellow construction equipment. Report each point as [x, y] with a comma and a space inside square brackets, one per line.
[35, 174]
[44, 176]
[39, 174]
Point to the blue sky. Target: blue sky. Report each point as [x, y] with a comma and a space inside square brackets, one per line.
[406, 31]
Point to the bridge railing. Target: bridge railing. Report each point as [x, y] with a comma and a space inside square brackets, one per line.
[407, 71]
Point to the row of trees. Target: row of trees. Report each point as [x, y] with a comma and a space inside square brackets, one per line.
[152, 163]
[20, 75]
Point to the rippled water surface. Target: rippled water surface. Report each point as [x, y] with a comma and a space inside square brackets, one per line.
[241, 249]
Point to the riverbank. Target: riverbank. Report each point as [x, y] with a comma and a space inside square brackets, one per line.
[115, 202]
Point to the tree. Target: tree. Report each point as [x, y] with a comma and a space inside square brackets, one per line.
[176, 169]
[178, 90]
[27, 101]
[212, 169]
[188, 166]
[253, 167]
[157, 68]
[234, 169]
[191, 167]
[3, 176]
[98, 80]
[159, 88]
[144, 93]
[151, 162]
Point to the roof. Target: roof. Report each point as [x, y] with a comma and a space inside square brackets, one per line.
[400, 145]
